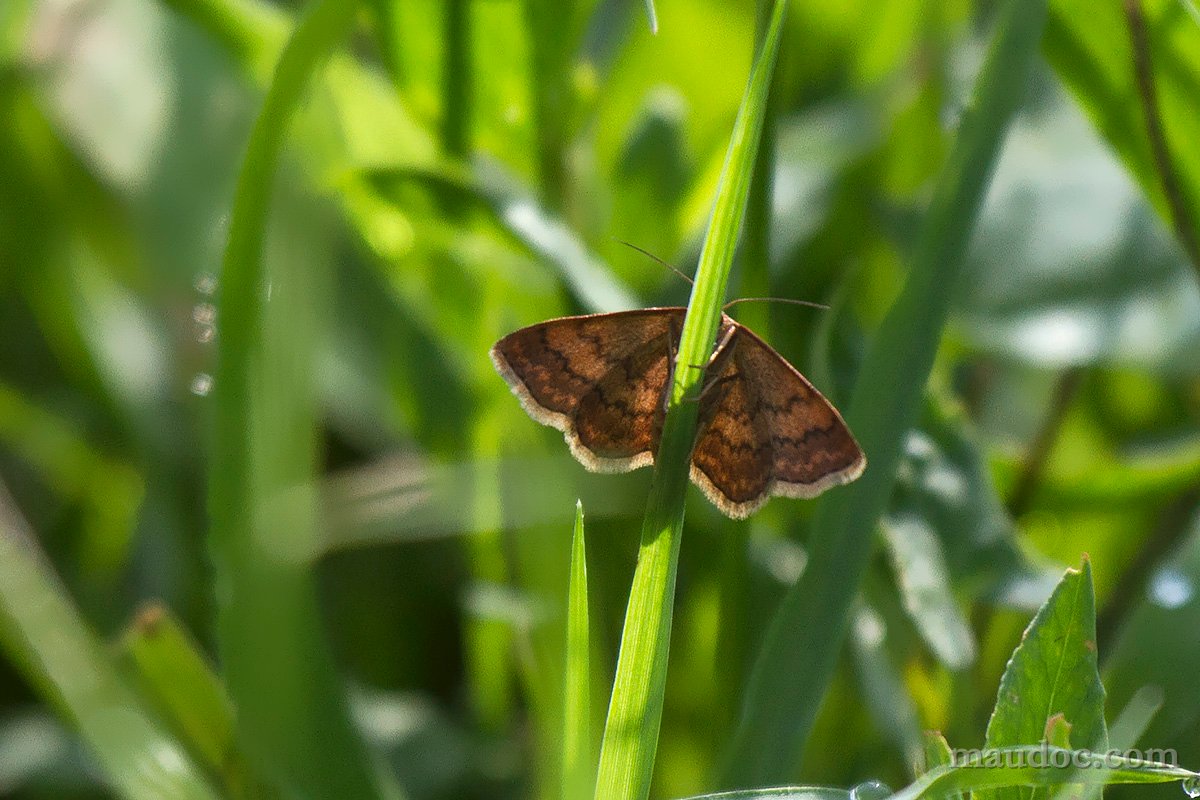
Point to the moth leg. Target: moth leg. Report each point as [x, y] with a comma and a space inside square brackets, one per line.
[722, 343]
[713, 384]
[671, 354]
[709, 386]
[718, 351]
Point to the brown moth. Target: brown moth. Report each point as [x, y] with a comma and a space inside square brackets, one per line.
[603, 380]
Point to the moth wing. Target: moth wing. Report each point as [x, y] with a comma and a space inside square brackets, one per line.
[732, 462]
[552, 366]
[618, 423]
[811, 447]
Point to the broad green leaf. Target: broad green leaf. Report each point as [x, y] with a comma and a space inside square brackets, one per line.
[946, 527]
[1053, 673]
[1123, 735]
[924, 584]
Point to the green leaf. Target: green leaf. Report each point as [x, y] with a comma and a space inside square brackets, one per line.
[578, 778]
[925, 588]
[1053, 675]
[948, 481]
[801, 648]
[1124, 734]
[635, 711]
[1058, 731]
[938, 755]
[948, 534]
[41, 630]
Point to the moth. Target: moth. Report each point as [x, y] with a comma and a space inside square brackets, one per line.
[603, 380]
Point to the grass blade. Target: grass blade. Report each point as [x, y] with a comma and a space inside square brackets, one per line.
[1032, 766]
[635, 711]
[291, 718]
[1038, 766]
[577, 700]
[801, 648]
[180, 682]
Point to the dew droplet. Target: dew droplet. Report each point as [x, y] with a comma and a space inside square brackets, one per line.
[1191, 786]
[204, 313]
[870, 790]
[202, 384]
[206, 283]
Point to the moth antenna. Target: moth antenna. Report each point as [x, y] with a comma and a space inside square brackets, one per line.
[650, 255]
[807, 303]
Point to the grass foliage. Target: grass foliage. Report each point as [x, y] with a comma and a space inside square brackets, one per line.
[255, 255]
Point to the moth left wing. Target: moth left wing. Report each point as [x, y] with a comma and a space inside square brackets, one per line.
[593, 377]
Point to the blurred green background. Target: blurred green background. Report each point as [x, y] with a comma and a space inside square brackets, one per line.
[461, 168]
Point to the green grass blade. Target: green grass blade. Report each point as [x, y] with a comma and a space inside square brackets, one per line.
[781, 793]
[551, 47]
[181, 683]
[635, 711]
[292, 722]
[652, 16]
[577, 701]
[799, 654]
[43, 634]
[1033, 767]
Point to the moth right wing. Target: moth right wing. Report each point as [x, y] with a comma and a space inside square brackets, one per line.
[811, 446]
[732, 462]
